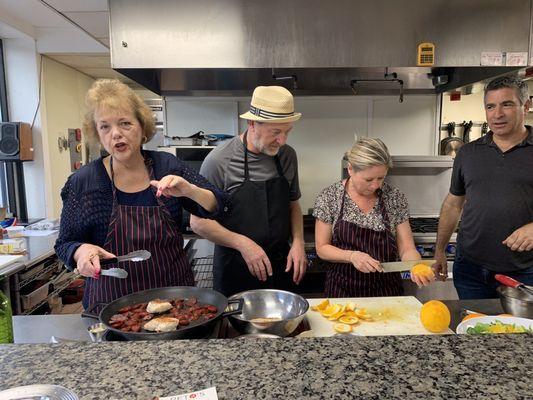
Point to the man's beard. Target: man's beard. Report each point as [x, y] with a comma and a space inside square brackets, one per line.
[269, 151]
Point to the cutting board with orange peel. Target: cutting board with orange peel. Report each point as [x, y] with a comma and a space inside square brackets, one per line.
[391, 316]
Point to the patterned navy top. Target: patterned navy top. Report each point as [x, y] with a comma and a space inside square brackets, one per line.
[88, 202]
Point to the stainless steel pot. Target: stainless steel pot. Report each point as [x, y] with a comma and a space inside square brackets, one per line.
[516, 302]
[269, 311]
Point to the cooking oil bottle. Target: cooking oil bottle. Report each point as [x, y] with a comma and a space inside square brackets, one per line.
[6, 317]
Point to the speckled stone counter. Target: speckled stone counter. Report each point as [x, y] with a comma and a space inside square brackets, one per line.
[392, 367]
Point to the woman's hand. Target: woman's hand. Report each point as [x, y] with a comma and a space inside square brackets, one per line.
[172, 185]
[87, 258]
[422, 280]
[364, 263]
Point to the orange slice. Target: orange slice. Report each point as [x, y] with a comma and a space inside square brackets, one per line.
[321, 306]
[351, 306]
[349, 320]
[350, 314]
[473, 315]
[331, 310]
[342, 328]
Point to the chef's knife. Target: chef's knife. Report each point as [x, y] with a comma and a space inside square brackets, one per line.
[400, 266]
[135, 256]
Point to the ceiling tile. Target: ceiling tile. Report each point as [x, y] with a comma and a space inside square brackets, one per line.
[78, 5]
[105, 41]
[32, 12]
[96, 23]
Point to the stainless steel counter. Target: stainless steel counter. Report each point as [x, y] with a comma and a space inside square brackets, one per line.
[41, 328]
[37, 249]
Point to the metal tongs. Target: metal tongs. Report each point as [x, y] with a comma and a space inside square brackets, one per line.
[134, 256]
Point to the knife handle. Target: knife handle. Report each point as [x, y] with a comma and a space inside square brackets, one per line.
[107, 261]
[507, 281]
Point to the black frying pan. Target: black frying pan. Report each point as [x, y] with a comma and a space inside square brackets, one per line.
[196, 330]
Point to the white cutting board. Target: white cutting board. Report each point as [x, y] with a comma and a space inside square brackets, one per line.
[392, 316]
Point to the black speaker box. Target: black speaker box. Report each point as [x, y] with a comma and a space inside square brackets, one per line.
[15, 142]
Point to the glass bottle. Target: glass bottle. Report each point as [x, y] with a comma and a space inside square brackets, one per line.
[6, 317]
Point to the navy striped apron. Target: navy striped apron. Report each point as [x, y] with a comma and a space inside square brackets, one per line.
[149, 228]
[343, 279]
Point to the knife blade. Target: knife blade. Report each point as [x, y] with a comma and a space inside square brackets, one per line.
[399, 266]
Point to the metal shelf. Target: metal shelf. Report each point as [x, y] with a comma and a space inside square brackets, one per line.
[203, 272]
[56, 291]
[46, 270]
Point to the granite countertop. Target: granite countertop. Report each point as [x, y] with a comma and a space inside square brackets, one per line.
[387, 367]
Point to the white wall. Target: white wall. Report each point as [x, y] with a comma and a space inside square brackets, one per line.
[22, 71]
[326, 131]
[61, 107]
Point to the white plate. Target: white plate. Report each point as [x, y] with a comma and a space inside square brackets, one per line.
[52, 392]
[470, 323]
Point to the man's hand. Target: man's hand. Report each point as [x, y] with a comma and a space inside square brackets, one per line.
[297, 260]
[521, 239]
[256, 259]
[440, 268]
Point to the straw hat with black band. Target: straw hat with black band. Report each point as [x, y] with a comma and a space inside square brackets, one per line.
[271, 104]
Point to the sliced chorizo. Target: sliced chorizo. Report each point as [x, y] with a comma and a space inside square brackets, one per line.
[191, 301]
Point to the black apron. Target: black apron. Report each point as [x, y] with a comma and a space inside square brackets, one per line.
[259, 211]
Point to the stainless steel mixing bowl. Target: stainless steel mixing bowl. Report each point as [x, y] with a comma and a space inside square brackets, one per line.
[269, 311]
[516, 302]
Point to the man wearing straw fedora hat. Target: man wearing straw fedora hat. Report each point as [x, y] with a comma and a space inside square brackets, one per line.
[260, 172]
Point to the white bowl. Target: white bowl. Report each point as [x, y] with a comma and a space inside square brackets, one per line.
[470, 323]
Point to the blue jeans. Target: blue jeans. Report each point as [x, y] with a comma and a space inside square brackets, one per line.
[473, 281]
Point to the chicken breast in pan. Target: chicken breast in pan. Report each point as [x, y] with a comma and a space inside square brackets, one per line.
[158, 306]
[162, 324]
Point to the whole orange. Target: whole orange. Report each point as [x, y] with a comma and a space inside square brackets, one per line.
[435, 316]
[422, 270]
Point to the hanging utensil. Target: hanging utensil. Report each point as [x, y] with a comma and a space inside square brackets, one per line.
[135, 256]
[513, 283]
[450, 145]
[467, 126]
[484, 129]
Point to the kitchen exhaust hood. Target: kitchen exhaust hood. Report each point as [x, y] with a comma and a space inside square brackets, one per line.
[219, 47]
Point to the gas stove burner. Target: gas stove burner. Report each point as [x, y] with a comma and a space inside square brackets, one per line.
[424, 224]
